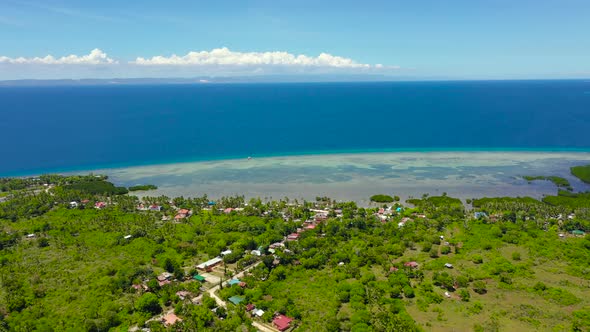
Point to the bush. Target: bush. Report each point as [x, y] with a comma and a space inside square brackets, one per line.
[477, 259]
[462, 281]
[43, 242]
[464, 295]
[480, 287]
[505, 278]
[434, 252]
[409, 292]
[540, 287]
[516, 256]
[445, 250]
[426, 246]
[476, 308]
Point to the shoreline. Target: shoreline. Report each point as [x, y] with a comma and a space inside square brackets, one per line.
[300, 154]
[358, 176]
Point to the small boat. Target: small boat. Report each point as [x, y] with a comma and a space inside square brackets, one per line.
[249, 158]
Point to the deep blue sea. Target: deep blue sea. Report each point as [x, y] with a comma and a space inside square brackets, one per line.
[71, 128]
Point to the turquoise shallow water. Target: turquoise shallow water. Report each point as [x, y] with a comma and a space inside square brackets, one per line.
[164, 162]
[79, 128]
[357, 176]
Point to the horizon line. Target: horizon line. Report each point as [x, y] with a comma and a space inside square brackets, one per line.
[264, 79]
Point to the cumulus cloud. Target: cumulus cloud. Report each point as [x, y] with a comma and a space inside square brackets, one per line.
[219, 62]
[225, 57]
[95, 57]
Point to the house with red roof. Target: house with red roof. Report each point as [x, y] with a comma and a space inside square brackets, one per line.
[171, 319]
[293, 237]
[100, 205]
[282, 322]
[411, 264]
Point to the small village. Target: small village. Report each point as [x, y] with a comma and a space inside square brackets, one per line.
[215, 273]
[183, 264]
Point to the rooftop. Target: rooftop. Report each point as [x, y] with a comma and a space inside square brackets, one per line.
[236, 299]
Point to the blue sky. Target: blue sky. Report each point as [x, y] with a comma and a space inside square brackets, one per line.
[423, 39]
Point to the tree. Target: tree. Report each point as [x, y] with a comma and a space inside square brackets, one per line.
[477, 259]
[480, 287]
[149, 303]
[434, 252]
[464, 294]
[443, 280]
[268, 261]
[43, 242]
[169, 265]
[408, 292]
[462, 281]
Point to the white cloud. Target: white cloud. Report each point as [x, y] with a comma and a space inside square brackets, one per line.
[219, 62]
[225, 57]
[95, 57]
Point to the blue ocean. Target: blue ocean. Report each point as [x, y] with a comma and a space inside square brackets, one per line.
[47, 129]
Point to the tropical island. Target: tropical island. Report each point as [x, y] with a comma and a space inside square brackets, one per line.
[80, 253]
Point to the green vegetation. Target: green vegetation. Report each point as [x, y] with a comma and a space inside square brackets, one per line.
[97, 187]
[568, 199]
[558, 181]
[381, 199]
[581, 172]
[143, 187]
[77, 267]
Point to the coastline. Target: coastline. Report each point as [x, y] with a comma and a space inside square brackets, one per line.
[357, 176]
[296, 154]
